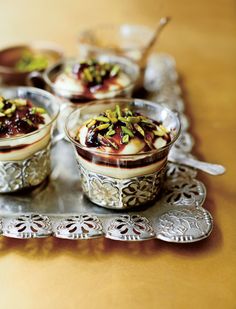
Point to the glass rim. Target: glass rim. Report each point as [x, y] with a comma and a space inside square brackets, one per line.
[39, 92]
[126, 62]
[151, 152]
[117, 26]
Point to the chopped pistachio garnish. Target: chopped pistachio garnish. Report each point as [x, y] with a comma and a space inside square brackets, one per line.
[39, 110]
[20, 102]
[132, 119]
[120, 126]
[32, 62]
[91, 123]
[102, 118]
[139, 129]
[125, 130]
[94, 72]
[102, 126]
[125, 139]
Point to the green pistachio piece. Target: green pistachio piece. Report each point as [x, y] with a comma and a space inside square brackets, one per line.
[2, 115]
[30, 123]
[87, 121]
[123, 119]
[111, 132]
[20, 102]
[118, 111]
[125, 130]
[133, 119]
[102, 119]
[38, 110]
[91, 123]
[139, 129]
[10, 110]
[125, 139]
[1, 105]
[102, 126]
[111, 116]
[115, 70]
[128, 112]
[87, 75]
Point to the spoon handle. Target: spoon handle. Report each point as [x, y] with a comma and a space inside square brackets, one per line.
[210, 168]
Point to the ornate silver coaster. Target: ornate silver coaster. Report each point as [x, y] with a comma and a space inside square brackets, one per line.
[60, 209]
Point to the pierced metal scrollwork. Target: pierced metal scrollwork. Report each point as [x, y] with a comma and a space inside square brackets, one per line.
[130, 228]
[82, 226]
[184, 192]
[17, 175]
[27, 226]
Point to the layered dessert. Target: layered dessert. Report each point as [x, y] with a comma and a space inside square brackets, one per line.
[26, 118]
[100, 78]
[18, 118]
[122, 144]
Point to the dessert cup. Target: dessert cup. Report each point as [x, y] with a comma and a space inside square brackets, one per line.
[71, 99]
[48, 78]
[122, 181]
[10, 56]
[25, 158]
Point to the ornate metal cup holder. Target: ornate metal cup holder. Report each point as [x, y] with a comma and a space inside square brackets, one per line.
[60, 209]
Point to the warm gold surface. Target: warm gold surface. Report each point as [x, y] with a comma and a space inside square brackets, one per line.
[53, 273]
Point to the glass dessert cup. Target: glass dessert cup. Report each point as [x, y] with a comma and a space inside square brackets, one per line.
[71, 99]
[11, 75]
[25, 159]
[122, 181]
[48, 78]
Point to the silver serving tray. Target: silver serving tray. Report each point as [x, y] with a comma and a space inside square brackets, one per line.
[59, 208]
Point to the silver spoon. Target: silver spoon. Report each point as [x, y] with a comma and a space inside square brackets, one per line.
[210, 168]
[162, 23]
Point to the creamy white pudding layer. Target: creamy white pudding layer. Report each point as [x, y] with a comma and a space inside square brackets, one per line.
[21, 148]
[118, 172]
[68, 83]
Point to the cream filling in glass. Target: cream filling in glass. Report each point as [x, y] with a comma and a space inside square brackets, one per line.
[34, 142]
[68, 83]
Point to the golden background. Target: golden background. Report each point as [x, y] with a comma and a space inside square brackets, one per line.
[52, 273]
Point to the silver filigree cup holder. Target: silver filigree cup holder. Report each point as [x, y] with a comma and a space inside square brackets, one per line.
[25, 160]
[117, 181]
[60, 209]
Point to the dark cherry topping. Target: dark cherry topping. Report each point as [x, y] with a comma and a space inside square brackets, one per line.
[19, 116]
[115, 128]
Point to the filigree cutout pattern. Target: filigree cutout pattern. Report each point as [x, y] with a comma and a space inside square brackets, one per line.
[130, 227]
[184, 225]
[27, 226]
[82, 226]
[121, 193]
[180, 171]
[18, 175]
[185, 192]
